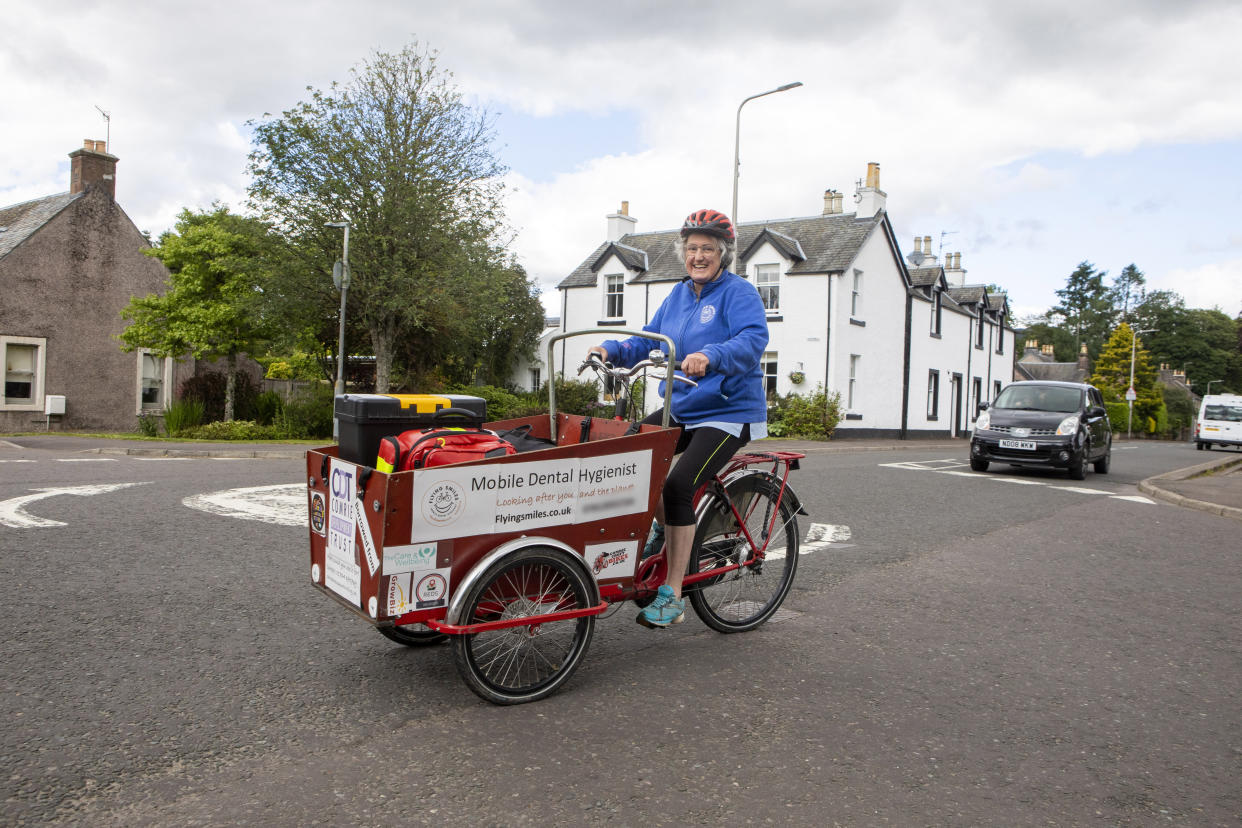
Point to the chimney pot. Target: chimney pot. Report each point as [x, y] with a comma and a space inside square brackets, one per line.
[625, 208]
[873, 175]
[918, 244]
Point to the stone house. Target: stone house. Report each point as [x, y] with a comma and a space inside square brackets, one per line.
[69, 263]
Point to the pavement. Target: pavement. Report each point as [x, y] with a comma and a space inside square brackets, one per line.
[1214, 486]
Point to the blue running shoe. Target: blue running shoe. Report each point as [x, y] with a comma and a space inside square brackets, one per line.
[664, 610]
[655, 542]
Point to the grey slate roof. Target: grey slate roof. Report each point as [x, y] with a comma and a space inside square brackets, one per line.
[968, 294]
[22, 220]
[828, 243]
[1055, 371]
[924, 276]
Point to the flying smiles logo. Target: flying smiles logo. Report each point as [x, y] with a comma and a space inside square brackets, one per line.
[707, 314]
[444, 503]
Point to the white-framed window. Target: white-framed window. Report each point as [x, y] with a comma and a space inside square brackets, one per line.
[154, 381]
[768, 363]
[25, 363]
[614, 296]
[935, 312]
[933, 394]
[855, 359]
[535, 379]
[976, 392]
[1000, 334]
[768, 283]
[996, 387]
[979, 330]
[856, 294]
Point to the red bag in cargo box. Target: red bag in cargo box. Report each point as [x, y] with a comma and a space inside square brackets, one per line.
[425, 447]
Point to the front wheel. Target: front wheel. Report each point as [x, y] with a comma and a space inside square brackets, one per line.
[978, 465]
[744, 598]
[1078, 467]
[1102, 465]
[526, 663]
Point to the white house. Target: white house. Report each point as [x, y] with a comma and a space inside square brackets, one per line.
[910, 347]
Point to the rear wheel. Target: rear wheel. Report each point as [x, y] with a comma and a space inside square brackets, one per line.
[978, 465]
[744, 598]
[412, 635]
[526, 663]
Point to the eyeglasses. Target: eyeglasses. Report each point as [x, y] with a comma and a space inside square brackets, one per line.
[707, 250]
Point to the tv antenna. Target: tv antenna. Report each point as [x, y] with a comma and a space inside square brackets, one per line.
[944, 233]
[107, 127]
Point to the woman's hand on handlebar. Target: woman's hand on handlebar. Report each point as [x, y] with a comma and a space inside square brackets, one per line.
[597, 351]
[694, 365]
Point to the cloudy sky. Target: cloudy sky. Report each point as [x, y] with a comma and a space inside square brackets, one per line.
[1029, 136]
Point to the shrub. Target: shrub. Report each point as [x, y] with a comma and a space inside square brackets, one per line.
[235, 430]
[267, 407]
[181, 415]
[573, 397]
[501, 404]
[308, 415]
[149, 425]
[1118, 415]
[814, 416]
[209, 388]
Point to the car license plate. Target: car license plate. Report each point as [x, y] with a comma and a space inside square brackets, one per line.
[1026, 445]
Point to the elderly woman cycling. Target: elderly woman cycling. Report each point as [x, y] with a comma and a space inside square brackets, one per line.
[719, 327]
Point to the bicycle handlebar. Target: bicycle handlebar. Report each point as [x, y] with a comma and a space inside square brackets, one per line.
[595, 362]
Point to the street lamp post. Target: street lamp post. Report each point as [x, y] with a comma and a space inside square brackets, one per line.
[737, 141]
[343, 284]
[1130, 391]
[1209, 386]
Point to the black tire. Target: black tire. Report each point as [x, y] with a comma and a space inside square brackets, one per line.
[1078, 467]
[1102, 465]
[1198, 446]
[743, 599]
[524, 664]
[412, 635]
[978, 465]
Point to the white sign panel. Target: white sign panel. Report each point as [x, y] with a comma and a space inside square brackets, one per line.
[611, 560]
[409, 557]
[341, 572]
[456, 502]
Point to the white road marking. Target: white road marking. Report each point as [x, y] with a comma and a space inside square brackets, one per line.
[950, 467]
[19, 461]
[13, 514]
[85, 459]
[1135, 499]
[1081, 490]
[818, 536]
[283, 504]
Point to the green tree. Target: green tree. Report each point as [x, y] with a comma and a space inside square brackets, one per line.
[397, 153]
[217, 263]
[1112, 373]
[1085, 307]
[1127, 291]
[1203, 343]
[1046, 331]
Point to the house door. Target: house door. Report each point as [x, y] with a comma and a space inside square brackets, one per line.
[955, 402]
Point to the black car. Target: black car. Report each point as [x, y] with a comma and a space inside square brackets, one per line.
[1060, 425]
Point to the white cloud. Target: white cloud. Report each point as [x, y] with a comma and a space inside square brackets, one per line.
[1214, 285]
[954, 100]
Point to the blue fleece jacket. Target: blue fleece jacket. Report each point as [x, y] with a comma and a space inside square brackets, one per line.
[727, 323]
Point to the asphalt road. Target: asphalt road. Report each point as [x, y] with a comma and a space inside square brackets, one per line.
[1002, 649]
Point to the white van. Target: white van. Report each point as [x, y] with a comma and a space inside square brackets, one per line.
[1220, 421]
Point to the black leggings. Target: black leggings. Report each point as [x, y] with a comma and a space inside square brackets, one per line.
[704, 451]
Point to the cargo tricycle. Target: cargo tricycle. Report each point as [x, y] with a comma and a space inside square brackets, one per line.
[513, 558]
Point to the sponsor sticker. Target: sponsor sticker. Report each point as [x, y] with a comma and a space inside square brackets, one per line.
[342, 574]
[364, 529]
[611, 560]
[410, 557]
[319, 513]
[425, 589]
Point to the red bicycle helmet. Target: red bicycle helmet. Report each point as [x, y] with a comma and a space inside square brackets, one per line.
[711, 222]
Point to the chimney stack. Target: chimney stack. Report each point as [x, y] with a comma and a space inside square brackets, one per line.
[828, 202]
[621, 222]
[92, 167]
[918, 244]
[870, 197]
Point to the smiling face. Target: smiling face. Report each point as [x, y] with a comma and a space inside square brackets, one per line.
[702, 258]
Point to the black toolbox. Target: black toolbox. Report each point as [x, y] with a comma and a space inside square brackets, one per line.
[365, 419]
